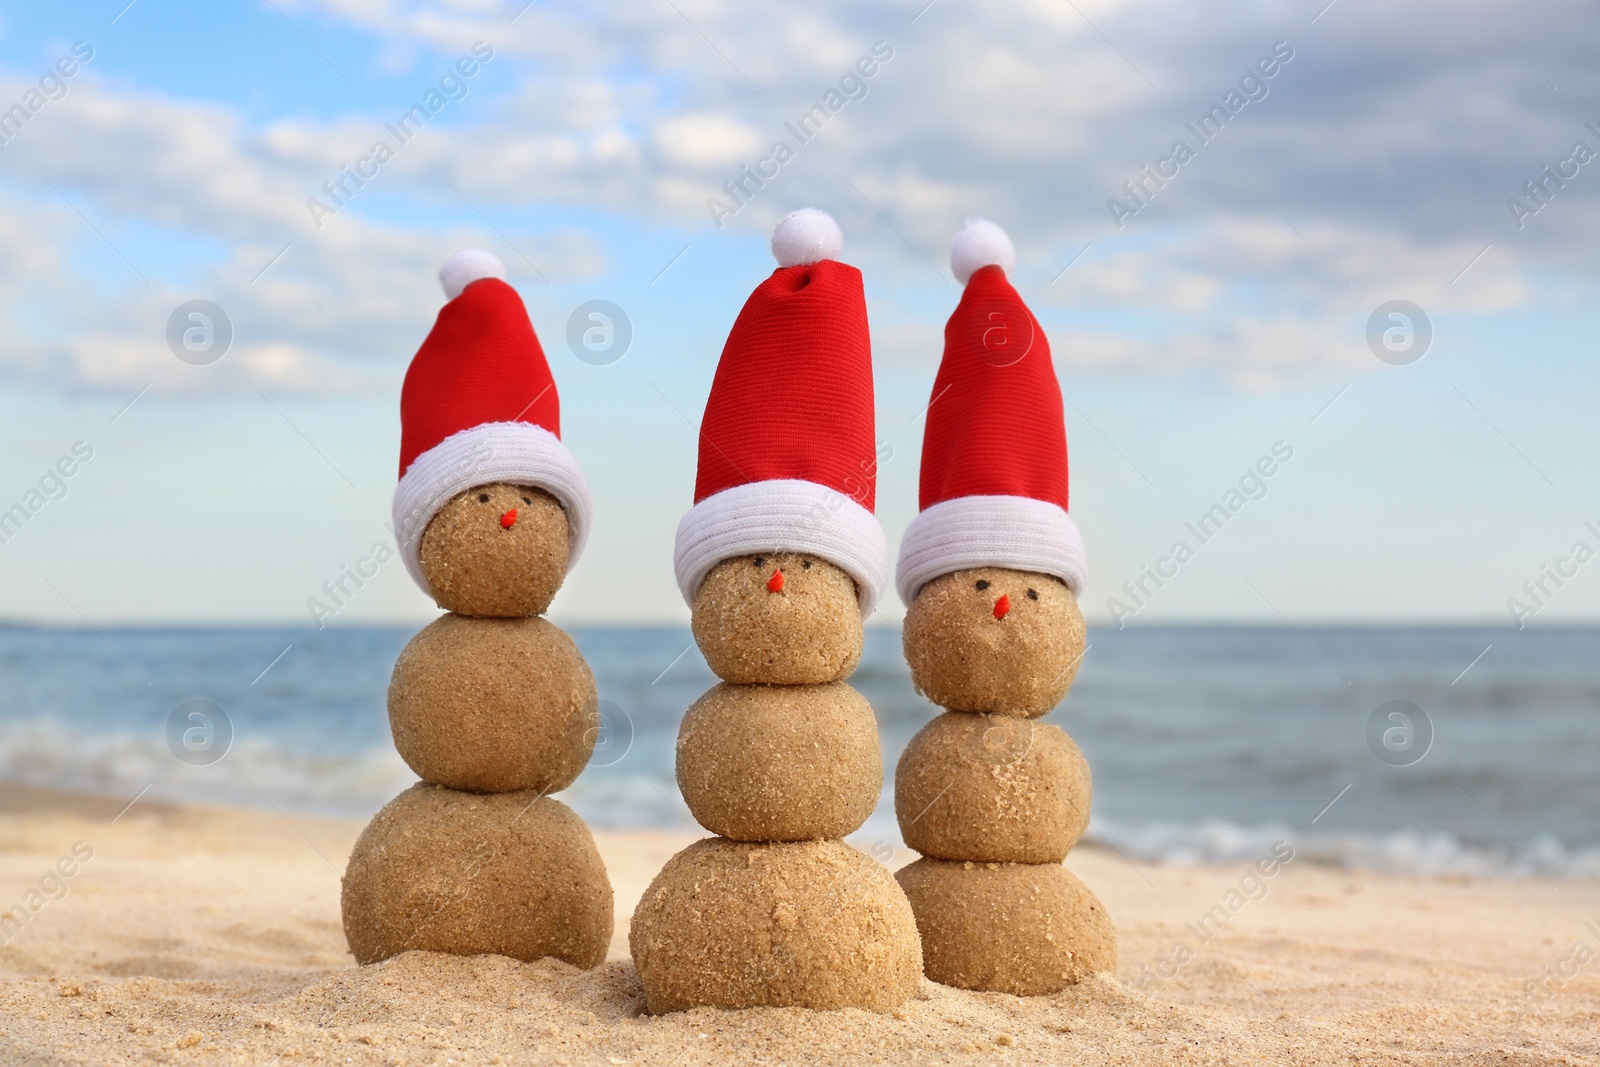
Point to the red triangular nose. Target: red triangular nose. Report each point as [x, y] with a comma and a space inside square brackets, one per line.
[509, 519]
[1002, 606]
[775, 583]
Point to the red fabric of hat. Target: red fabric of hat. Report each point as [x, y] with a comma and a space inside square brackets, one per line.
[995, 426]
[788, 459]
[993, 489]
[481, 363]
[792, 396]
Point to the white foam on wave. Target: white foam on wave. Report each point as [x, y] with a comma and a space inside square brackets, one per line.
[47, 753]
[1413, 852]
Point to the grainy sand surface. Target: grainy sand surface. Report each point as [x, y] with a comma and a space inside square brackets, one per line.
[212, 936]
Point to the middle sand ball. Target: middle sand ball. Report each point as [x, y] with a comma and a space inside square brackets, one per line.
[494, 705]
[996, 788]
[780, 762]
[809, 924]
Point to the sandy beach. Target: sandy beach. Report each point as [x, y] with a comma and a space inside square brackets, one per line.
[202, 935]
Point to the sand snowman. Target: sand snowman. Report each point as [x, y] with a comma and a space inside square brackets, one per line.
[491, 705]
[990, 570]
[780, 559]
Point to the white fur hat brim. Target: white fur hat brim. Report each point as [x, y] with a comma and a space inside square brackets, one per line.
[783, 515]
[1015, 532]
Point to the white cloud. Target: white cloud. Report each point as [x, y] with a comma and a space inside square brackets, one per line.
[1391, 141]
[706, 139]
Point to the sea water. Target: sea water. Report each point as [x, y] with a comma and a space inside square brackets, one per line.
[1207, 744]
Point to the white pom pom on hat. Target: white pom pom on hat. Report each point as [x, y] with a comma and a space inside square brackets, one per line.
[806, 236]
[980, 243]
[466, 267]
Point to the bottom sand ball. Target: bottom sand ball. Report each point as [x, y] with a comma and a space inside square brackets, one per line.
[809, 924]
[1016, 928]
[509, 873]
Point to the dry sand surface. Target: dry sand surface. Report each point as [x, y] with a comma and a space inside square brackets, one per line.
[211, 936]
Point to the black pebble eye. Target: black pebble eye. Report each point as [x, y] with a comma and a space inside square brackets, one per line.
[483, 498]
[760, 562]
[982, 585]
[1032, 595]
[806, 563]
[525, 500]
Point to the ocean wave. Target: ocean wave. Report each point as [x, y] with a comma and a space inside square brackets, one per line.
[1409, 852]
[291, 777]
[252, 773]
[629, 802]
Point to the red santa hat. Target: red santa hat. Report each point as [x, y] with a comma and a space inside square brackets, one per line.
[994, 451]
[788, 457]
[479, 405]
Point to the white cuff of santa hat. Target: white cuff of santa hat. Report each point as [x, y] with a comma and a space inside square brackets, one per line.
[481, 381]
[783, 515]
[1014, 532]
[806, 323]
[994, 454]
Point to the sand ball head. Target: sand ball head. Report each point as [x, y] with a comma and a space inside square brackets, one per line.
[994, 640]
[496, 550]
[778, 619]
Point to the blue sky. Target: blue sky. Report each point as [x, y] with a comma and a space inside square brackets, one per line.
[1228, 315]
